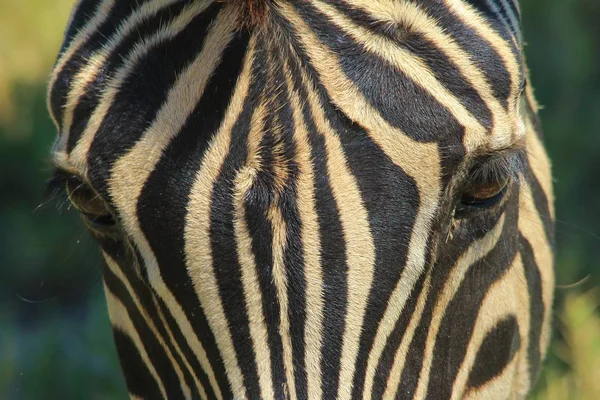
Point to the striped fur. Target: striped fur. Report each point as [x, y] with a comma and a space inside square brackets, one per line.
[287, 195]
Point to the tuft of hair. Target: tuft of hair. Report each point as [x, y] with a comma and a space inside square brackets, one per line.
[252, 13]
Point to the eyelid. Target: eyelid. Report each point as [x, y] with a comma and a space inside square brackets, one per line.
[508, 163]
[57, 187]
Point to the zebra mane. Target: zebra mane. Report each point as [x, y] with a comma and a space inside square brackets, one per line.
[252, 12]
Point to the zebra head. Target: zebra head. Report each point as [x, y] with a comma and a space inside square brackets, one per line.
[305, 199]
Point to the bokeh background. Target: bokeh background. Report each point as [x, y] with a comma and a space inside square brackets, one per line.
[55, 339]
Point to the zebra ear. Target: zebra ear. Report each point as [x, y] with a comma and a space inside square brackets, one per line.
[252, 12]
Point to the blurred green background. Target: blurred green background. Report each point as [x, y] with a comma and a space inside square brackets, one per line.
[55, 340]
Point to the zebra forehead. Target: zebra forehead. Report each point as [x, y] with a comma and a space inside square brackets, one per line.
[447, 74]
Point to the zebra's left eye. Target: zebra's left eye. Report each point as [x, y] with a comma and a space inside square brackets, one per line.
[90, 205]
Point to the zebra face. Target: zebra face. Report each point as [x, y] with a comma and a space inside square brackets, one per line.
[343, 199]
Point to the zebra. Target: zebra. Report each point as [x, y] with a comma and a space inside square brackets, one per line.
[310, 199]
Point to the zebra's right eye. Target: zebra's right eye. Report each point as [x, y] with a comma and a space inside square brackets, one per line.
[488, 181]
[484, 194]
[90, 205]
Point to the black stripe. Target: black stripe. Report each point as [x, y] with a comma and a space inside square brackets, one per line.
[147, 298]
[142, 94]
[448, 253]
[495, 21]
[454, 336]
[536, 306]
[399, 100]
[332, 254]
[391, 216]
[92, 94]
[416, 349]
[80, 16]
[156, 352]
[188, 353]
[371, 193]
[427, 52]
[541, 203]
[513, 28]
[484, 8]
[496, 352]
[480, 51]
[392, 199]
[116, 251]
[256, 205]
[222, 238]
[512, 5]
[138, 378]
[257, 202]
[294, 250]
[162, 205]
[385, 363]
[58, 94]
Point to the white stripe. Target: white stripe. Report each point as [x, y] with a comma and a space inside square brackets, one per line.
[476, 251]
[121, 320]
[80, 37]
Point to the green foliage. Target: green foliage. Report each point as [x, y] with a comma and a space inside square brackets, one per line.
[563, 53]
[55, 339]
[60, 355]
[579, 325]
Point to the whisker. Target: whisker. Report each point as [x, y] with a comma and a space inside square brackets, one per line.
[576, 284]
[28, 301]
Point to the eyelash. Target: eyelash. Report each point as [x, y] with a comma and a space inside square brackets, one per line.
[56, 189]
[502, 168]
[498, 167]
[56, 192]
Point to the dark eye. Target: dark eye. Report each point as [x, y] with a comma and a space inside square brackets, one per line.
[484, 194]
[91, 206]
[488, 181]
